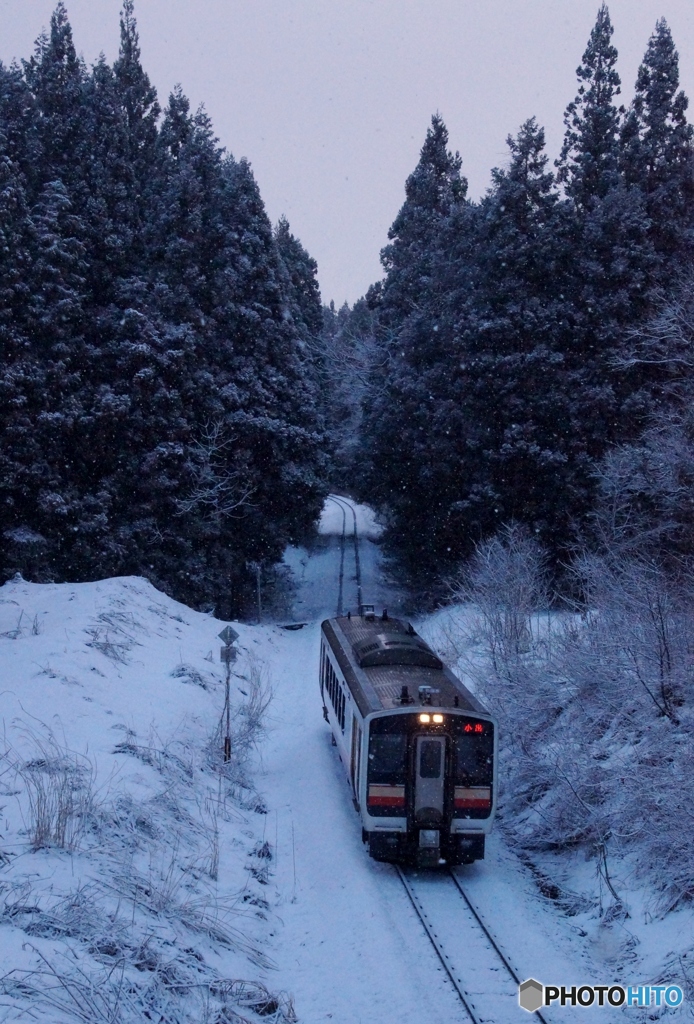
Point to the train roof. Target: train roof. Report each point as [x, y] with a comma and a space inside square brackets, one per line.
[380, 657]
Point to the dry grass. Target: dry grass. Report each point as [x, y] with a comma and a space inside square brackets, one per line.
[60, 790]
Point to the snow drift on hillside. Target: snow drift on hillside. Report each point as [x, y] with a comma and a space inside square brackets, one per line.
[133, 860]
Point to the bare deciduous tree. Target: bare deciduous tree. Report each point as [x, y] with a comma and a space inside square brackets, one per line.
[220, 488]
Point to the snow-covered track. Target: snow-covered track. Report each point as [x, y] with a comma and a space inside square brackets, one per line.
[345, 505]
[340, 588]
[483, 978]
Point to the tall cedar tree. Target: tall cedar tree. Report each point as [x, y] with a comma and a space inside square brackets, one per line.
[56, 77]
[432, 192]
[516, 429]
[396, 474]
[657, 147]
[613, 263]
[589, 162]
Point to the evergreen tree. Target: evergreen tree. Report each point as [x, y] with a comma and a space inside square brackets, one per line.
[589, 162]
[613, 266]
[20, 127]
[140, 108]
[516, 431]
[110, 188]
[303, 292]
[432, 192]
[657, 145]
[56, 78]
[137, 95]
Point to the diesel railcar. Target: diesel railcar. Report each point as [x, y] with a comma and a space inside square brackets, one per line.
[418, 748]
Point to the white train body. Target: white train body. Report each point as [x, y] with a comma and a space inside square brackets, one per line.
[419, 750]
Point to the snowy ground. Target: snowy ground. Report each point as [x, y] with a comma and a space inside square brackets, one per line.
[133, 873]
[164, 879]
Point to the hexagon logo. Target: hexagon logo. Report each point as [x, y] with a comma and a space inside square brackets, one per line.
[530, 995]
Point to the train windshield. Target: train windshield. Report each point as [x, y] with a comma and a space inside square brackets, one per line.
[474, 766]
[387, 774]
[459, 749]
[473, 759]
[387, 758]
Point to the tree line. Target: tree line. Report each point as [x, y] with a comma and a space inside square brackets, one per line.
[175, 402]
[159, 378]
[505, 333]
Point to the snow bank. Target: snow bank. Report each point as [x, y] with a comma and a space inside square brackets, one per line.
[596, 748]
[134, 865]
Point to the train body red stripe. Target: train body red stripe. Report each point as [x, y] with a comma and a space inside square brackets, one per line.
[386, 796]
[472, 797]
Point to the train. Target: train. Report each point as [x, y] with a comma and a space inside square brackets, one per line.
[418, 748]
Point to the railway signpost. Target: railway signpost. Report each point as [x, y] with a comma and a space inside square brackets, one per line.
[227, 655]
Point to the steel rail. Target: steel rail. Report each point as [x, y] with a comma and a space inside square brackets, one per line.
[457, 982]
[451, 971]
[339, 504]
[345, 503]
[497, 948]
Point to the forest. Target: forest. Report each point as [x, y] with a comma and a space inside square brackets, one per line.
[530, 349]
[159, 407]
[175, 400]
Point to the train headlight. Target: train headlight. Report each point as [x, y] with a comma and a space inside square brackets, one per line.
[438, 719]
[425, 719]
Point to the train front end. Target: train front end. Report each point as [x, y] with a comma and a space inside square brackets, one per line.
[429, 788]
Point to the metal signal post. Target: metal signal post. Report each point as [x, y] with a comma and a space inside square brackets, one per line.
[227, 656]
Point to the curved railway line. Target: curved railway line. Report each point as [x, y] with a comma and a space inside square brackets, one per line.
[345, 506]
[483, 978]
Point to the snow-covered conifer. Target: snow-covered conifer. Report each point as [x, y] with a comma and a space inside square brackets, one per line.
[590, 155]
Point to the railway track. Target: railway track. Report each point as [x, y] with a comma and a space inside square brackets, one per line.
[345, 506]
[340, 589]
[477, 966]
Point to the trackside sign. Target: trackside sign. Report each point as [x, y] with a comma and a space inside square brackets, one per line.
[532, 995]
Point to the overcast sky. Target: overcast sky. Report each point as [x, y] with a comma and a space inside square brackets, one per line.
[330, 99]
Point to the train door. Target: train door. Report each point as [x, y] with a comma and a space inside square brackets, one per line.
[355, 755]
[430, 760]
